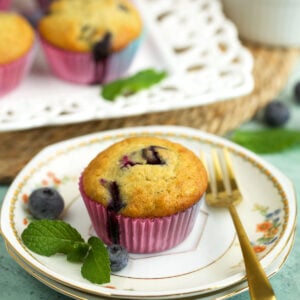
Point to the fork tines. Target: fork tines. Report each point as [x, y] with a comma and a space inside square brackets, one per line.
[222, 189]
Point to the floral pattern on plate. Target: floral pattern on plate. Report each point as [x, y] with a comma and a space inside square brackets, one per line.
[269, 228]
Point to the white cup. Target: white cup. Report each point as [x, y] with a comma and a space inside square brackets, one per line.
[268, 22]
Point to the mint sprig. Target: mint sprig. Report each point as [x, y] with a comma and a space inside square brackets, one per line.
[130, 85]
[48, 237]
[267, 140]
[96, 260]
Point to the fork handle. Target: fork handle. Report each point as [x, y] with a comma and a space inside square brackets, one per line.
[258, 282]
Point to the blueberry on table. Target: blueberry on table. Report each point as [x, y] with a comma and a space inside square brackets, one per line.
[276, 114]
[118, 257]
[297, 92]
[45, 203]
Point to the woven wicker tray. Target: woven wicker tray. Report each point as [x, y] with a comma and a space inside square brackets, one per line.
[271, 70]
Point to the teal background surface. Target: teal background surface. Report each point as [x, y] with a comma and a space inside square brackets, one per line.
[16, 284]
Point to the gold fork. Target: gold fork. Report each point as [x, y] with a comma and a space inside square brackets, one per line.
[219, 196]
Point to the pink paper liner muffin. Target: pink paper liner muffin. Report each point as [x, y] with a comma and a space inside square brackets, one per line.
[81, 67]
[12, 74]
[141, 235]
[4, 4]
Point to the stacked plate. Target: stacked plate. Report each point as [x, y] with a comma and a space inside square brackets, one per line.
[208, 264]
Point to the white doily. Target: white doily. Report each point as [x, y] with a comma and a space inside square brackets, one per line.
[191, 39]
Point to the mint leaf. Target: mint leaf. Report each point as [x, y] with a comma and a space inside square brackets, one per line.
[130, 85]
[96, 267]
[48, 237]
[113, 89]
[78, 253]
[268, 140]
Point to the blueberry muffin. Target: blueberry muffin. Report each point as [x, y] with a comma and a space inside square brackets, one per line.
[89, 33]
[16, 46]
[79, 25]
[144, 192]
[16, 37]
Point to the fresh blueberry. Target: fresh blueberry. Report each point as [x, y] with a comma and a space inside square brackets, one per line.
[45, 203]
[297, 92]
[118, 257]
[276, 114]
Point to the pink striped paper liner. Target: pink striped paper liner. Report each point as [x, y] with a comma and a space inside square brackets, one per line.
[142, 235]
[81, 67]
[12, 74]
[5, 4]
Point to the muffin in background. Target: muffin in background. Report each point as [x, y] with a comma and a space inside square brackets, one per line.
[5, 4]
[16, 50]
[90, 41]
[144, 193]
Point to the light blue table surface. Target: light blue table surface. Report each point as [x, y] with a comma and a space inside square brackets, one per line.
[16, 284]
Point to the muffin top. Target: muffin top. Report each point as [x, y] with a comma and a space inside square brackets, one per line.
[16, 37]
[79, 25]
[145, 177]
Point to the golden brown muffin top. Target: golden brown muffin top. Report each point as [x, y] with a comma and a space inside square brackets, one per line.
[16, 37]
[145, 177]
[77, 25]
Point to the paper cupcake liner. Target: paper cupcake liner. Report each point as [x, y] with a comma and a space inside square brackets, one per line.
[81, 67]
[140, 235]
[5, 4]
[13, 73]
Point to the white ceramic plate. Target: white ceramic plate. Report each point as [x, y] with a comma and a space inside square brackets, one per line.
[191, 40]
[209, 260]
[221, 294]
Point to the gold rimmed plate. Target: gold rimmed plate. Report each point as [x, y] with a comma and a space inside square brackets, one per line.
[207, 262]
[220, 294]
